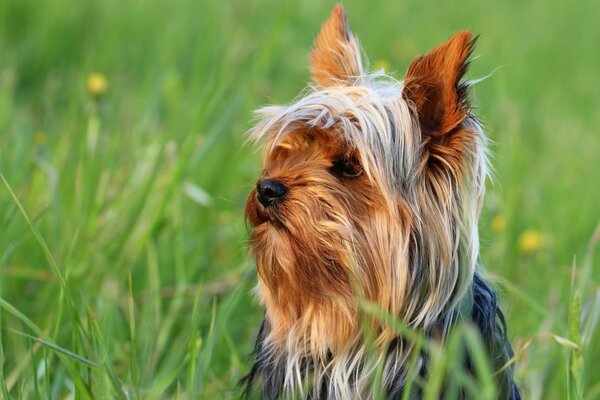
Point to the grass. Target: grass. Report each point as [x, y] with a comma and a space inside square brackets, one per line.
[123, 269]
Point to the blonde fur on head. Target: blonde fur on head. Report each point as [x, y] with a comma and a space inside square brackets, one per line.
[371, 188]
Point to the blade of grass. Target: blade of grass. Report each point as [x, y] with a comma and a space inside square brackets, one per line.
[152, 310]
[413, 371]
[56, 348]
[194, 343]
[33, 371]
[215, 334]
[38, 236]
[54, 266]
[575, 371]
[133, 370]
[399, 327]
[3, 387]
[79, 384]
[480, 360]
[107, 367]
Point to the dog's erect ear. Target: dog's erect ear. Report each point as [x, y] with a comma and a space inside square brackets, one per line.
[433, 84]
[335, 58]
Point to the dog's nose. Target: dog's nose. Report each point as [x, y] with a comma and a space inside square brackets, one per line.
[269, 191]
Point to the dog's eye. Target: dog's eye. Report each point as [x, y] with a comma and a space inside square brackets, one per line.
[346, 168]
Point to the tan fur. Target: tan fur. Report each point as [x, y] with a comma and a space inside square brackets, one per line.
[335, 57]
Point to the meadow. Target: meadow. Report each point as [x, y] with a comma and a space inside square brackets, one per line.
[123, 263]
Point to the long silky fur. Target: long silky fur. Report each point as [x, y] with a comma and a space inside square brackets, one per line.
[266, 379]
[405, 237]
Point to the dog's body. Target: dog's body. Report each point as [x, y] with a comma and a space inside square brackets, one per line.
[371, 189]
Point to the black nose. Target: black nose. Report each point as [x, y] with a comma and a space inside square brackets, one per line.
[270, 191]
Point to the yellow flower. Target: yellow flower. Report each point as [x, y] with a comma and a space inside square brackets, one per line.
[498, 223]
[382, 64]
[39, 138]
[530, 241]
[97, 84]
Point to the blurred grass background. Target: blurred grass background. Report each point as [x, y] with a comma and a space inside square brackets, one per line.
[135, 257]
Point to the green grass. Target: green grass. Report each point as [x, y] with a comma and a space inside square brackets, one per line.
[120, 278]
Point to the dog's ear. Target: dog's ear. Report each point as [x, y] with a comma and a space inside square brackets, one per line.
[335, 57]
[433, 84]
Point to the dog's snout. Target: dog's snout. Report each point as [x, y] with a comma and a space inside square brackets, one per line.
[270, 191]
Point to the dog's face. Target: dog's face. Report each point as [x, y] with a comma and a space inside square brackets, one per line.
[310, 211]
[307, 209]
[370, 188]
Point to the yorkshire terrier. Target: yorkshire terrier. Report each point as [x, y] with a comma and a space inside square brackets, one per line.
[371, 189]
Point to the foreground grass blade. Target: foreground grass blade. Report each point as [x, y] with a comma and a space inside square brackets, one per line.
[38, 237]
[79, 384]
[59, 349]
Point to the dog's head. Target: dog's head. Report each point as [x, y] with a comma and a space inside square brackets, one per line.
[370, 187]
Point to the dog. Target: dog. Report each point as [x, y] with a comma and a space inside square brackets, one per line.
[371, 189]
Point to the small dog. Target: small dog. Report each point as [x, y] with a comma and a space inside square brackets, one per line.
[371, 189]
